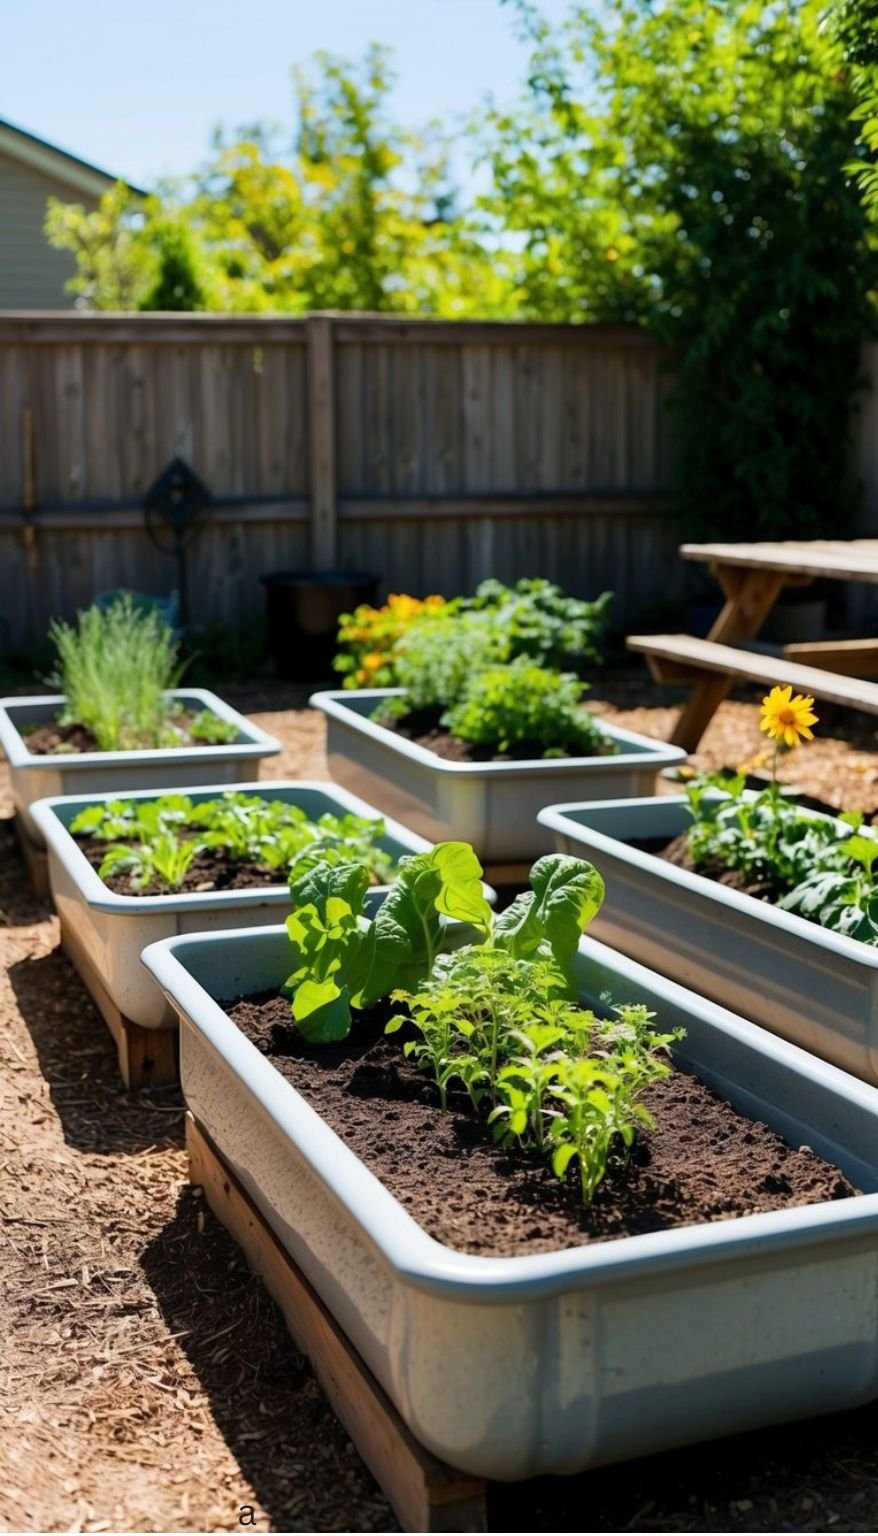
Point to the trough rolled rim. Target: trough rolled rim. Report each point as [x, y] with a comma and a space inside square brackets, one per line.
[558, 819]
[653, 753]
[432, 1266]
[258, 743]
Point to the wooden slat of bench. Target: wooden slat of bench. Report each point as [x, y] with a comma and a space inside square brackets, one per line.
[842, 559]
[698, 656]
[853, 658]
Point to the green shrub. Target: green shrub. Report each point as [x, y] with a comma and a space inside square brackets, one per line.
[437, 658]
[537, 619]
[504, 706]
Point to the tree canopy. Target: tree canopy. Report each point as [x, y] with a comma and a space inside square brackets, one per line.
[705, 168]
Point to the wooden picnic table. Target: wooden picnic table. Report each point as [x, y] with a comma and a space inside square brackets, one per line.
[752, 577]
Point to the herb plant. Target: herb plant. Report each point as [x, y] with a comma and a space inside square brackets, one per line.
[505, 706]
[436, 660]
[496, 1017]
[115, 668]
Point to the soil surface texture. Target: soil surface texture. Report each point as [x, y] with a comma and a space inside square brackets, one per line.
[54, 740]
[677, 852]
[149, 1384]
[702, 1162]
[422, 727]
[213, 869]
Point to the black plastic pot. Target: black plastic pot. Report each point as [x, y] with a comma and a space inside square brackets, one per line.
[302, 610]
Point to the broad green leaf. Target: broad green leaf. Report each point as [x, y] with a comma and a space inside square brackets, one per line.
[322, 1012]
[460, 894]
[317, 884]
[561, 1158]
[566, 893]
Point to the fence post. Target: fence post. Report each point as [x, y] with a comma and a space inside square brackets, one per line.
[321, 441]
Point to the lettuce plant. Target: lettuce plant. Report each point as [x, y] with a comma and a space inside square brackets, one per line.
[268, 833]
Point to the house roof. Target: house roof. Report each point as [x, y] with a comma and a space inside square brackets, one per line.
[79, 175]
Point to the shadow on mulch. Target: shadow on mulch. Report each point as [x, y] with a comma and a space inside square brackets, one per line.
[19, 907]
[817, 1475]
[78, 1061]
[821, 1474]
[263, 1397]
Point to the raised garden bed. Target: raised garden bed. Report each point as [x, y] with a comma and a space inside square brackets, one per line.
[492, 805]
[105, 930]
[815, 987]
[38, 775]
[574, 1353]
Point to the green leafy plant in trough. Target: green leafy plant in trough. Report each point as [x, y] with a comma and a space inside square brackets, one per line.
[116, 667]
[156, 841]
[537, 619]
[437, 658]
[821, 867]
[489, 1007]
[431, 648]
[503, 707]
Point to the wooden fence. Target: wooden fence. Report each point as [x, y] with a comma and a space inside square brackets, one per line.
[432, 452]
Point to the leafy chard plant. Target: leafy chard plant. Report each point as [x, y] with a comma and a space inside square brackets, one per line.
[496, 1017]
[845, 898]
[765, 836]
[824, 868]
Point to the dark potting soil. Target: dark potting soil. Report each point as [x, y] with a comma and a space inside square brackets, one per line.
[57, 740]
[423, 728]
[213, 869]
[677, 852]
[702, 1162]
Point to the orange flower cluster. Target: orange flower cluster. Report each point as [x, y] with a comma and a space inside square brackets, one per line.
[369, 638]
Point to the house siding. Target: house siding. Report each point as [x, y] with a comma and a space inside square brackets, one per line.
[32, 274]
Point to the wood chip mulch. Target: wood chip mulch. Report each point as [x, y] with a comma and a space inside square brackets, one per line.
[147, 1383]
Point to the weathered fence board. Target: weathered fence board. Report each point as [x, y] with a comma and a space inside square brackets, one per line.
[432, 452]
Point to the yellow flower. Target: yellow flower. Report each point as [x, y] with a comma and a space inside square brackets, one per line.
[372, 663]
[787, 718]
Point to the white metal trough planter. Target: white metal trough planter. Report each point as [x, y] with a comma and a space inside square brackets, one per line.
[493, 806]
[35, 776]
[510, 1367]
[104, 932]
[817, 988]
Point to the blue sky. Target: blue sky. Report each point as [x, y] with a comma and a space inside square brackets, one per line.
[137, 87]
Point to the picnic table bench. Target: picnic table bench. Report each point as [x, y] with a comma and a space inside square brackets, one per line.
[752, 577]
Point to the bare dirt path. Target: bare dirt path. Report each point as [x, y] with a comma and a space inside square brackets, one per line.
[146, 1381]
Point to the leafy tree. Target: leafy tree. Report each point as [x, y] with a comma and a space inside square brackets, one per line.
[681, 164]
[111, 244]
[855, 23]
[361, 214]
